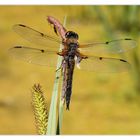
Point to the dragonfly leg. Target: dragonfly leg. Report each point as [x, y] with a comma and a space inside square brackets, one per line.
[82, 56]
[58, 68]
[61, 66]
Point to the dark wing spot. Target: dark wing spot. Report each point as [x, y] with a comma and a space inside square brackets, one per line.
[127, 39]
[100, 58]
[22, 25]
[42, 34]
[17, 47]
[107, 42]
[123, 60]
[42, 51]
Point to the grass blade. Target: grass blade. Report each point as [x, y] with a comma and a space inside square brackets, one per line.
[61, 102]
[51, 130]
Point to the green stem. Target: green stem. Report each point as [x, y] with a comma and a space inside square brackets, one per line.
[51, 130]
[61, 102]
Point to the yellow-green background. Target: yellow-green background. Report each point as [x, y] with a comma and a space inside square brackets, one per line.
[101, 103]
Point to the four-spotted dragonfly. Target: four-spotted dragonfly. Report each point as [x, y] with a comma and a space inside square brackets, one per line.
[84, 55]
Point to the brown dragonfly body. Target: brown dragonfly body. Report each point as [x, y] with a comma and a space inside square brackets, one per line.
[70, 64]
[72, 52]
[69, 53]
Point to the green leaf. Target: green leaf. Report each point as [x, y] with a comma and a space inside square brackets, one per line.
[51, 130]
[61, 102]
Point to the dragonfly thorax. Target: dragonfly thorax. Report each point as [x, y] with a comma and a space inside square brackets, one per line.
[71, 38]
[72, 48]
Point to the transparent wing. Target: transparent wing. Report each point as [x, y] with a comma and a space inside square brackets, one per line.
[103, 64]
[36, 36]
[109, 47]
[35, 56]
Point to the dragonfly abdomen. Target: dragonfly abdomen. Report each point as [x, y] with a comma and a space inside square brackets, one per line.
[70, 69]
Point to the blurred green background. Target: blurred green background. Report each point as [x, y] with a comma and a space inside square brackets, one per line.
[101, 103]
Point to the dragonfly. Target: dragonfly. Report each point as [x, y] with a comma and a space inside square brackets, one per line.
[84, 56]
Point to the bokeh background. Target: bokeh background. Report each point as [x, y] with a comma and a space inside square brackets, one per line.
[101, 103]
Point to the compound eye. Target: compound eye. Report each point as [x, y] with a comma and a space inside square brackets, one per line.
[72, 34]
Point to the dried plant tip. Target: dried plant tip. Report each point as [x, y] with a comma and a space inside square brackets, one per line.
[40, 109]
[58, 27]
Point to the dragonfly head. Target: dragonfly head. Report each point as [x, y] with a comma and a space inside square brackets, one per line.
[71, 34]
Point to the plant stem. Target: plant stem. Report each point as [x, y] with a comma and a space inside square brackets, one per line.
[51, 130]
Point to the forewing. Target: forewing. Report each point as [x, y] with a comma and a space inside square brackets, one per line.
[109, 47]
[103, 64]
[36, 36]
[35, 56]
